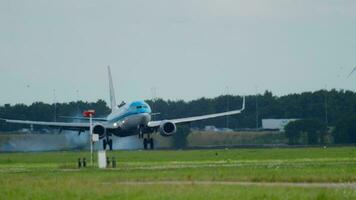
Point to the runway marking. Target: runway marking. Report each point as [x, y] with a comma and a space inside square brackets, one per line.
[242, 183]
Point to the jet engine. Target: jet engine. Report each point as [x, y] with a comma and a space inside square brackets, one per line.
[99, 129]
[167, 128]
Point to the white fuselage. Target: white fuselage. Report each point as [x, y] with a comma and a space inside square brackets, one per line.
[130, 116]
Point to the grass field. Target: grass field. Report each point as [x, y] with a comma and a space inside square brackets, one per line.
[304, 173]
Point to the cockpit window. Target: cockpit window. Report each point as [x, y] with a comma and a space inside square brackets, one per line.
[142, 106]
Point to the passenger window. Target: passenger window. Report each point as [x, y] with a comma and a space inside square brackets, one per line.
[139, 107]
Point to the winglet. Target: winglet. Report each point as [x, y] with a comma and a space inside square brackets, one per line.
[243, 103]
[112, 92]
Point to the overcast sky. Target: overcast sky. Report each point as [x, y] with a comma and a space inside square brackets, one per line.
[186, 49]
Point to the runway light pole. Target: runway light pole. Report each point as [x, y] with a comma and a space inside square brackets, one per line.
[227, 105]
[256, 99]
[90, 114]
[326, 105]
[55, 105]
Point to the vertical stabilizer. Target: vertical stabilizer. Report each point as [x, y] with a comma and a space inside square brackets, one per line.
[113, 103]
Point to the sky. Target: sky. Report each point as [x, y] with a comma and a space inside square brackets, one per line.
[173, 49]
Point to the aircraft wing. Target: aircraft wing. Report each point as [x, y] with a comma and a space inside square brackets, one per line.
[198, 118]
[61, 125]
[83, 118]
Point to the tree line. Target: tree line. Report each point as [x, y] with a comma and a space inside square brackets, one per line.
[326, 106]
[314, 131]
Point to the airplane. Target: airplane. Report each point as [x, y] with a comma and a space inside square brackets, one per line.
[126, 120]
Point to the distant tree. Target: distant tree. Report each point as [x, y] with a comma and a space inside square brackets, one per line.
[180, 137]
[292, 132]
[314, 130]
[345, 130]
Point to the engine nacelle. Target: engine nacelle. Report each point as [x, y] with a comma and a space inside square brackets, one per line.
[99, 129]
[167, 128]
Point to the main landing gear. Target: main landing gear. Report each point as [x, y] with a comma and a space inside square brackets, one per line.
[147, 142]
[107, 142]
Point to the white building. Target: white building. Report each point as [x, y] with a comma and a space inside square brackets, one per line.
[211, 129]
[276, 123]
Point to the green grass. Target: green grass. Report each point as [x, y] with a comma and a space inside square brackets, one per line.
[92, 190]
[54, 175]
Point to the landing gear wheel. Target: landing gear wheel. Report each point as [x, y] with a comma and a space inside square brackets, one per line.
[110, 144]
[145, 143]
[140, 132]
[104, 144]
[151, 143]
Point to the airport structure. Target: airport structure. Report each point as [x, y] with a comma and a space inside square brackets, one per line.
[275, 124]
